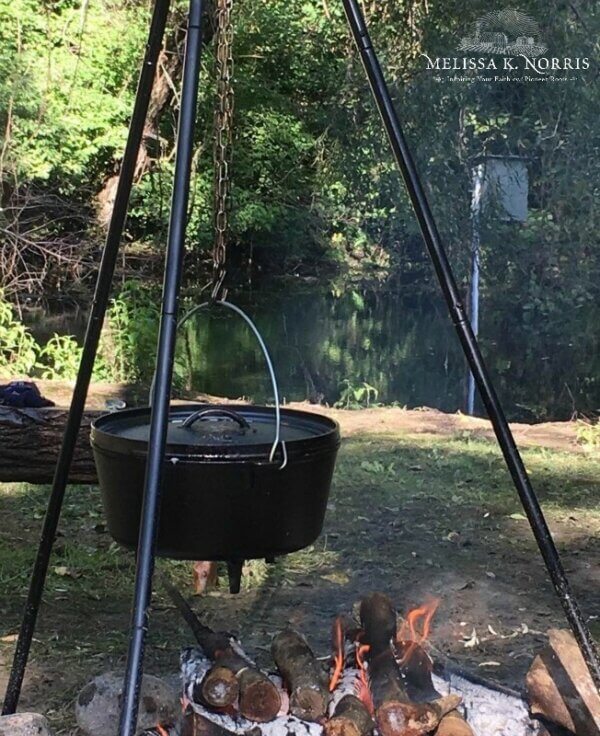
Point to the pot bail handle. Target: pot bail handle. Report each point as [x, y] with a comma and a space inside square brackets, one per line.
[220, 412]
[261, 342]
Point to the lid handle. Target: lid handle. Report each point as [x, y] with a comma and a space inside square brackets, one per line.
[232, 307]
[216, 412]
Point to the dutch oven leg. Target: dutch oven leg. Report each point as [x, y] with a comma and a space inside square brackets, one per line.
[234, 572]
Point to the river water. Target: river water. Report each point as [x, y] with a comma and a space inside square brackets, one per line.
[325, 342]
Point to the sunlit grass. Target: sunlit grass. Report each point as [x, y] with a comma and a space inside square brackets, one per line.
[438, 484]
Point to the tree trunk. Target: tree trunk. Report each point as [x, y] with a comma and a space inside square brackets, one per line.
[168, 72]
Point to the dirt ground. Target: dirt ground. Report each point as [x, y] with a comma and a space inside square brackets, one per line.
[421, 506]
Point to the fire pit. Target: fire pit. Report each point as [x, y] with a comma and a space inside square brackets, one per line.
[379, 681]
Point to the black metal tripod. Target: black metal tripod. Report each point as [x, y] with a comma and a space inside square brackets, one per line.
[166, 345]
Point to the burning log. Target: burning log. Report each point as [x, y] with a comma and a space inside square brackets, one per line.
[416, 668]
[560, 688]
[350, 718]
[378, 619]
[232, 676]
[396, 715]
[303, 675]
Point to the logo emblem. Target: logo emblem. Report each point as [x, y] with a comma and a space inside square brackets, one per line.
[508, 32]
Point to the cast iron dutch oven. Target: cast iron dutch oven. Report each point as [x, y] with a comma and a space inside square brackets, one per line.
[229, 491]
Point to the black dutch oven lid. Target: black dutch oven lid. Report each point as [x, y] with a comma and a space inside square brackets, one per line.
[218, 431]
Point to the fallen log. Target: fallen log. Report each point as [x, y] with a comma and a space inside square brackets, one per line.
[303, 675]
[233, 677]
[350, 718]
[560, 688]
[30, 441]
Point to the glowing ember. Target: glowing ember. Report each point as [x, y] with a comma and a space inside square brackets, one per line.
[416, 627]
[363, 691]
[338, 654]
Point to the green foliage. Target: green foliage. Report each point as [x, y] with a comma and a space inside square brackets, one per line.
[129, 343]
[356, 396]
[126, 351]
[18, 349]
[59, 358]
[314, 181]
[67, 76]
[588, 434]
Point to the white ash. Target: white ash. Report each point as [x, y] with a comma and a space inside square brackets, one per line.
[346, 686]
[194, 665]
[489, 712]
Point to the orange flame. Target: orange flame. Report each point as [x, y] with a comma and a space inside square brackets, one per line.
[162, 731]
[416, 627]
[363, 691]
[338, 654]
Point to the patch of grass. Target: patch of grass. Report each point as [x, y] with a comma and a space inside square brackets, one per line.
[397, 507]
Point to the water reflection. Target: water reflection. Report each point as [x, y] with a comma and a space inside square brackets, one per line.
[402, 345]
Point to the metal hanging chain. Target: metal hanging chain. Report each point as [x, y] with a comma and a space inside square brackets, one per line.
[223, 142]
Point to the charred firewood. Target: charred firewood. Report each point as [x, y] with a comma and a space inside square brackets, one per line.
[219, 688]
[395, 714]
[378, 619]
[453, 724]
[350, 718]
[305, 678]
[195, 724]
[560, 688]
[416, 667]
[211, 642]
[232, 676]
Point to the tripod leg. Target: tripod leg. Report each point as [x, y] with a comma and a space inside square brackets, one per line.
[164, 372]
[92, 336]
[468, 341]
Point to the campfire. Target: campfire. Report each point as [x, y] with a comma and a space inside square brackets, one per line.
[379, 680]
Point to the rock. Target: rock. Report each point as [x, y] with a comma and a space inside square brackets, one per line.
[24, 724]
[560, 688]
[98, 705]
